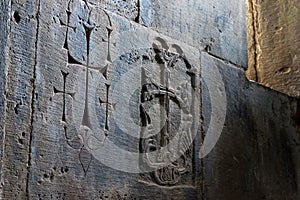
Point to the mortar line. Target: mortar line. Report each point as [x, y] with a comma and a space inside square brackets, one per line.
[255, 42]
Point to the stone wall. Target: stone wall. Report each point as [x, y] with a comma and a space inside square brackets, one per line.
[139, 100]
[274, 44]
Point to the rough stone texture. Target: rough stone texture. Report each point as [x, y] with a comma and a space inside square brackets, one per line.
[257, 155]
[274, 42]
[73, 123]
[216, 27]
[19, 91]
[125, 8]
[4, 26]
[90, 93]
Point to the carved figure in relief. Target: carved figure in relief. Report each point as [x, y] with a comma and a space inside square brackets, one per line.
[170, 84]
[173, 91]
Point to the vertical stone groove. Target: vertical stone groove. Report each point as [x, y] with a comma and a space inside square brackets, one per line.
[255, 42]
[137, 19]
[33, 99]
[202, 133]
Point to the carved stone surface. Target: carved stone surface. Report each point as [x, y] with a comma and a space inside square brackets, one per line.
[98, 106]
[214, 27]
[170, 87]
[83, 107]
[125, 8]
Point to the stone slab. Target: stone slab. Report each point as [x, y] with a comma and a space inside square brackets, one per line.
[101, 107]
[257, 154]
[127, 8]
[216, 27]
[19, 74]
[101, 86]
[274, 44]
[4, 26]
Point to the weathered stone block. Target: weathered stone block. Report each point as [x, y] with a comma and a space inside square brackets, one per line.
[98, 106]
[216, 27]
[118, 106]
[257, 154]
[125, 8]
[19, 45]
[274, 44]
[4, 26]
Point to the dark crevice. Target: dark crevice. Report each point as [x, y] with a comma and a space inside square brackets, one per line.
[20, 141]
[296, 117]
[254, 37]
[202, 136]
[207, 48]
[65, 132]
[16, 109]
[137, 18]
[107, 107]
[33, 99]
[72, 60]
[103, 71]
[17, 17]
[196, 85]
[144, 117]
[86, 3]
[109, 30]
[66, 44]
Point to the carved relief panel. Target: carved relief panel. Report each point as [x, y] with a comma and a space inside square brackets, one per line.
[167, 109]
[130, 100]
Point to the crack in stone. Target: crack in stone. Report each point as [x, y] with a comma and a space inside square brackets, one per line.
[33, 98]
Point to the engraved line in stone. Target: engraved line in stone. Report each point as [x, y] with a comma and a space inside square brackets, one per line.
[63, 91]
[169, 175]
[86, 117]
[107, 105]
[88, 30]
[68, 26]
[109, 29]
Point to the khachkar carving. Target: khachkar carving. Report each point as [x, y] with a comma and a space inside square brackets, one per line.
[147, 94]
[173, 91]
[91, 53]
[87, 44]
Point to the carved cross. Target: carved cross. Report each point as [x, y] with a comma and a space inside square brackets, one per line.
[108, 104]
[86, 121]
[64, 93]
[88, 28]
